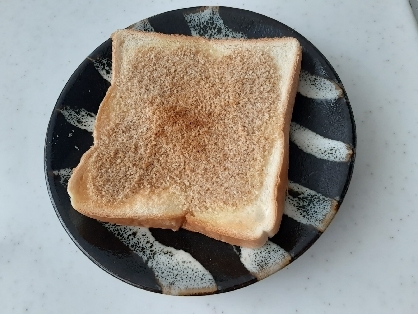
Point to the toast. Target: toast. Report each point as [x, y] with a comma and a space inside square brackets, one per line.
[192, 133]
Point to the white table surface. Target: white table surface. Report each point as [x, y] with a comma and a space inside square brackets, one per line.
[366, 261]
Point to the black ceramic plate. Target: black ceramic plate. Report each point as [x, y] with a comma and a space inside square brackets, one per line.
[322, 151]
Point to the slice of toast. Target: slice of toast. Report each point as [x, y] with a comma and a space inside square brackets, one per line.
[192, 133]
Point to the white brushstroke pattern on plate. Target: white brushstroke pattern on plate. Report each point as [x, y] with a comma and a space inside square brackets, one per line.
[104, 67]
[316, 87]
[309, 207]
[319, 146]
[177, 271]
[64, 174]
[143, 25]
[208, 23]
[264, 261]
[80, 118]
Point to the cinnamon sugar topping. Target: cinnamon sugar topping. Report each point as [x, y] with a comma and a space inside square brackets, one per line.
[190, 121]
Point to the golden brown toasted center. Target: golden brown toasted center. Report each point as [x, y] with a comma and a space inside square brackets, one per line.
[191, 122]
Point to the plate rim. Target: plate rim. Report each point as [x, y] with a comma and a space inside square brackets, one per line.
[52, 121]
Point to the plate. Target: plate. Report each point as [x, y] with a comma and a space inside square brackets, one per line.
[322, 151]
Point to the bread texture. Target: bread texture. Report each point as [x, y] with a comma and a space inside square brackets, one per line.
[192, 133]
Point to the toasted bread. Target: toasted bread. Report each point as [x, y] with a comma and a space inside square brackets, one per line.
[192, 133]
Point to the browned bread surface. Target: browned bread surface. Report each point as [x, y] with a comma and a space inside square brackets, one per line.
[194, 133]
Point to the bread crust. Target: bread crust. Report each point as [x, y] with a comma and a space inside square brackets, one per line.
[281, 185]
[121, 213]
